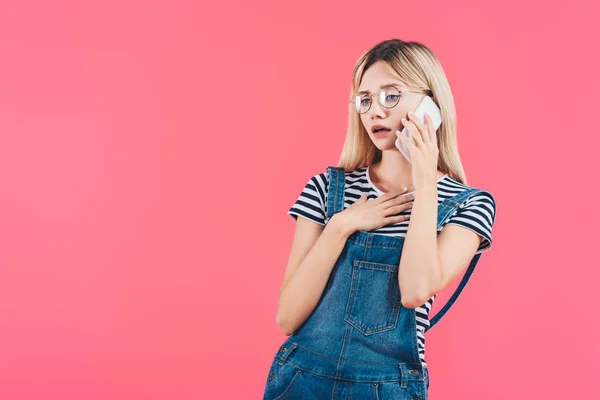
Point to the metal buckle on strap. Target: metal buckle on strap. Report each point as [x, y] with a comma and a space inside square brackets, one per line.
[285, 350]
[411, 372]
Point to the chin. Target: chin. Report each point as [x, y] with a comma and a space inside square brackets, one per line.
[386, 145]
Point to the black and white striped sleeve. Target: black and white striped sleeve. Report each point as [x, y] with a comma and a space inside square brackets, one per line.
[311, 202]
[478, 214]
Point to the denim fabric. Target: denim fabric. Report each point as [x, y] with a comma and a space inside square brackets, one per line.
[360, 342]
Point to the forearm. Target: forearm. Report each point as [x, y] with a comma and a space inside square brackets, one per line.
[419, 269]
[301, 294]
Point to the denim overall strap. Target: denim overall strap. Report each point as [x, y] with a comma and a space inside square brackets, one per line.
[446, 209]
[335, 193]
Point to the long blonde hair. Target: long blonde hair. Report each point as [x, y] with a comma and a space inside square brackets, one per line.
[418, 67]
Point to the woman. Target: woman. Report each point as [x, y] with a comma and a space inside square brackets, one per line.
[378, 238]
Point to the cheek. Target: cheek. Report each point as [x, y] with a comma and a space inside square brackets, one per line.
[399, 113]
[363, 122]
[397, 118]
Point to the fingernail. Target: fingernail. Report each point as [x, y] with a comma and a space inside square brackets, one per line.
[410, 113]
[403, 119]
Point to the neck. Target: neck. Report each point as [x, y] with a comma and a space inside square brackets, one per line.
[393, 172]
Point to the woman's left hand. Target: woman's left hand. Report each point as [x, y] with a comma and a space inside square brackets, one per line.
[424, 152]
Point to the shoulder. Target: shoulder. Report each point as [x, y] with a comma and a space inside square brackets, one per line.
[480, 198]
[477, 212]
[350, 175]
[311, 203]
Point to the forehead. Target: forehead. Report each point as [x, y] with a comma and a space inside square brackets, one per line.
[378, 76]
[395, 83]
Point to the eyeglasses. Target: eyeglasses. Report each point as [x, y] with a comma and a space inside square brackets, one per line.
[388, 98]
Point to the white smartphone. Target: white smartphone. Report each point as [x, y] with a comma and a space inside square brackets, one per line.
[425, 106]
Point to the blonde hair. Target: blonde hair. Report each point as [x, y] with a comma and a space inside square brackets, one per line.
[418, 67]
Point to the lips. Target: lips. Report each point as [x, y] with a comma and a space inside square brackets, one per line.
[379, 128]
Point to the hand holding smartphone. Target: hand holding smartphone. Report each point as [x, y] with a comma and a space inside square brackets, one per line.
[428, 106]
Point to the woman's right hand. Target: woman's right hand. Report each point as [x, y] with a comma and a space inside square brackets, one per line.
[366, 215]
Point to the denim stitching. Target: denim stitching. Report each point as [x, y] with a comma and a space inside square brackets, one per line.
[355, 283]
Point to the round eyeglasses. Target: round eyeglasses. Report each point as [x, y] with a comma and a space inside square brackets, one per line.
[388, 98]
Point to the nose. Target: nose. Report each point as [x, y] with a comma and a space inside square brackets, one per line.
[376, 109]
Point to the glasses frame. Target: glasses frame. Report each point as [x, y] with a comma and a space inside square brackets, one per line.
[428, 92]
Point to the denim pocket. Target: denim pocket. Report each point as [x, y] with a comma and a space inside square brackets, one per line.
[374, 299]
[413, 390]
[283, 377]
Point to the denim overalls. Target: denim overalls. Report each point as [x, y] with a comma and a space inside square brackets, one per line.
[360, 342]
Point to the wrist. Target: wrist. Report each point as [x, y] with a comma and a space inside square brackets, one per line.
[427, 190]
[339, 225]
[426, 196]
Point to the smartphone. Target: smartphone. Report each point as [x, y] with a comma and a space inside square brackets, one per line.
[425, 106]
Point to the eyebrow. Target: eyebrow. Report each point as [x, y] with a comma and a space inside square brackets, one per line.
[383, 86]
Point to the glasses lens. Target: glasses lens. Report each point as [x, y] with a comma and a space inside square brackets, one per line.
[361, 103]
[389, 97]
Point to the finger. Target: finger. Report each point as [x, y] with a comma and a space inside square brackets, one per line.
[421, 127]
[396, 219]
[410, 144]
[430, 129]
[400, 199]
[406, 141]
[405, 198]
[389, 196]
[401, 203]
[360, 200]
[402, 218]
[413, 132]
[417, 124]
[409, 128]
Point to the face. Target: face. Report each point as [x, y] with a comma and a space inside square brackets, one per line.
[380, 74]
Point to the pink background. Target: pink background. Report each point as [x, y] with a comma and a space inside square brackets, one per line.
[149, 152]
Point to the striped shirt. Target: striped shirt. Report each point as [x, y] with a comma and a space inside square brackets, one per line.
[477, 215]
